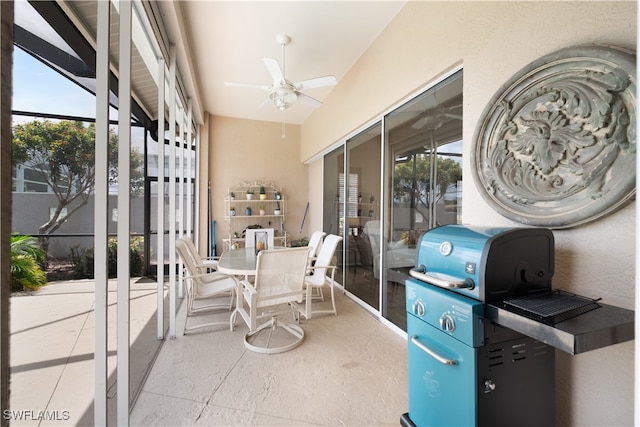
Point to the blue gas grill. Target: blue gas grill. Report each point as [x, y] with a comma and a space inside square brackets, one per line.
[465, 370]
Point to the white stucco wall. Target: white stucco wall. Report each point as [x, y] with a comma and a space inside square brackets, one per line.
[492, 41]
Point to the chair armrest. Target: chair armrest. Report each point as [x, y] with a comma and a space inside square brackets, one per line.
[248, 286]
[315, 267]
[213, 276]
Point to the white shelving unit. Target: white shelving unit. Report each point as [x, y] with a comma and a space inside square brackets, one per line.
[241, 219]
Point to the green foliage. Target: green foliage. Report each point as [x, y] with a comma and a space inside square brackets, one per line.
[26, 260]
[83, 259]
[63, 155]
[414, 177]
[303, 241]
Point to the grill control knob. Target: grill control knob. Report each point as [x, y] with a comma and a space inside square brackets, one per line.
[489, 386]
[419, 308]
[447, 323]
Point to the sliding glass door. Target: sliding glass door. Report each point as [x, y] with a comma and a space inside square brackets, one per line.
[362, 215]
[384, 188]
[423, 184]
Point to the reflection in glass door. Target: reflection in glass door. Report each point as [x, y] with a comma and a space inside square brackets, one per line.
[423, 190]
[362, 215]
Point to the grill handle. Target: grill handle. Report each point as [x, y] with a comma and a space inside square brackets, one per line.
[420, 273]
[432, 353]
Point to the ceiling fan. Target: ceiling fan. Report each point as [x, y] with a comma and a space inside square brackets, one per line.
[435, 118]
[282, 92]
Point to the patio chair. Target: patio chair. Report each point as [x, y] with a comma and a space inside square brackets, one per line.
[279, 281]
[206, 263]
[201, 285]
[318, 278]
[314, 244]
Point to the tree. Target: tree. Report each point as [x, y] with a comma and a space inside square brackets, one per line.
[413, 179]
[63, 155]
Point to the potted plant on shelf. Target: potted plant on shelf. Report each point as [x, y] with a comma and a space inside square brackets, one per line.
[232, 195]
[247, 211]
[277, 210]
[262, 212]
[278, 195]
[232, 211]
[263, 193]
[249, 194]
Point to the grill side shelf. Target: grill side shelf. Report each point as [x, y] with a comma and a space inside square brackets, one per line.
[608, 325]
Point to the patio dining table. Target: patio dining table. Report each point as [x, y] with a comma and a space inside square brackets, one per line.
[238, 262]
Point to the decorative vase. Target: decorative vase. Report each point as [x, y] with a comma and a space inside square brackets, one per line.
[247, 211]
[261, 241]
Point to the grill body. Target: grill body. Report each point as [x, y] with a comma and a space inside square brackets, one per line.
[465, 370]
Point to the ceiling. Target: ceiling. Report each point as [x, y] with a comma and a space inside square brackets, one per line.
[226, 41]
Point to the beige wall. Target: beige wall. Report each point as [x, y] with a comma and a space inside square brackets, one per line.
[492, 41]
[247, 150]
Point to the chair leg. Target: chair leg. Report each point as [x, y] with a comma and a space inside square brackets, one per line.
[333, 299]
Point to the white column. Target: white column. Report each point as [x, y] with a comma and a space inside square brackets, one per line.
[180, 211]
[101, 194]
[124, 211]
[172, 192]
[189, 157]
[160, 207]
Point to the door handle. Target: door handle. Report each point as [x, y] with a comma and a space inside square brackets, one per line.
[414, 339]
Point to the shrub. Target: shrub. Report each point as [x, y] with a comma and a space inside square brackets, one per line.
[303, 241]
[83, 258]
[26, 264]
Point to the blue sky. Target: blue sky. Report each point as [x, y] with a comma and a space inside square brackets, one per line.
[38, 88]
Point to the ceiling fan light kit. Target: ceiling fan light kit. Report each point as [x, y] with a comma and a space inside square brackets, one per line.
[283, 97]
[282, 93]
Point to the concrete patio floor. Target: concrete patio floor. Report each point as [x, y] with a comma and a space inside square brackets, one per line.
[350, 369]
[52, 348]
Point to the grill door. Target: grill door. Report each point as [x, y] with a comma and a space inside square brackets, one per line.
[440, 394]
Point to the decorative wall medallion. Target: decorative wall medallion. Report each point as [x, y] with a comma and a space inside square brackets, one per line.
[556, 146]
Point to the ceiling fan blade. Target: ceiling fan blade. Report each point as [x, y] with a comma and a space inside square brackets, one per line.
[274, 69]
[266, 103]
[249, 85]
[453, 116]
[419, 124]
[317, 82]
[308, 100]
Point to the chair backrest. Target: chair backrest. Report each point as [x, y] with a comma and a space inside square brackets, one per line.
[249, 237]
[191, 247]
[325, 258]
[189, 258]
[280, 275]
[315, 242]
